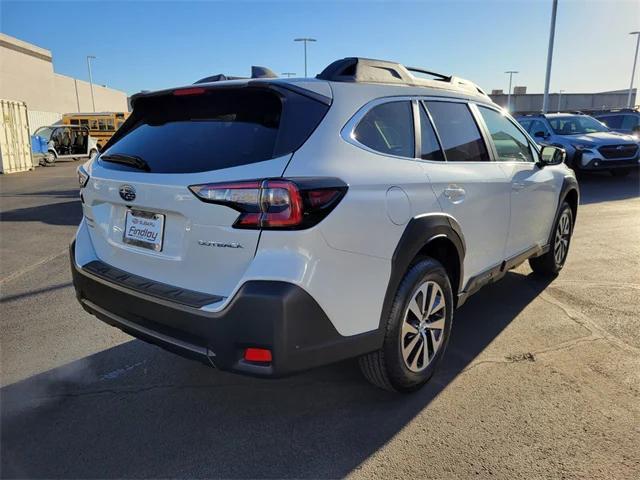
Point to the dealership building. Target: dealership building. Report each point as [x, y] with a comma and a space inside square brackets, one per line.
[27, 75]
[524, 102]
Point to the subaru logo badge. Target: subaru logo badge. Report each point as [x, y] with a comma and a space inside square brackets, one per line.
[619, 147]
[127, 193]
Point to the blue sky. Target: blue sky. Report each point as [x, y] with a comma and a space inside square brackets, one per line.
[154, 44]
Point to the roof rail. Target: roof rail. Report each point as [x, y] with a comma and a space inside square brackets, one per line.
[368, 70]
[612, 110]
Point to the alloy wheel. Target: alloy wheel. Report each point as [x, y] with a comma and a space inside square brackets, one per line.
[423, 326]
[563, 234]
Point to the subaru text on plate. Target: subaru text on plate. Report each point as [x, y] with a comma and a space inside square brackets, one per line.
[268, 226]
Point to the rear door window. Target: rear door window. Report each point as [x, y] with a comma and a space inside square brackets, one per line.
[220, 128]
[388, 128]
[458, 132]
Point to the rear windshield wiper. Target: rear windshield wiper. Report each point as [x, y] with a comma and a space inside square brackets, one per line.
[126, 159]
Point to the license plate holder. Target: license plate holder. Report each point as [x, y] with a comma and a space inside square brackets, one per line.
[144, 229]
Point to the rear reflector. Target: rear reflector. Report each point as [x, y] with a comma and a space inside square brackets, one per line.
[257, 355]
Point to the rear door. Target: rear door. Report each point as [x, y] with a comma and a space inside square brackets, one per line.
[469, 186]
[143, 218]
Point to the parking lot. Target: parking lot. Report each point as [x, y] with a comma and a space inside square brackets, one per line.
[540, 379]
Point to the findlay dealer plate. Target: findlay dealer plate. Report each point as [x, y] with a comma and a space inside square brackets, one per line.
[144, 229]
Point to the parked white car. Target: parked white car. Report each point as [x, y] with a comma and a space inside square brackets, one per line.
[67, 142]
[270, 226]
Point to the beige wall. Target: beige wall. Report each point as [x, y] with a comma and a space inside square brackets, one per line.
[26, 74]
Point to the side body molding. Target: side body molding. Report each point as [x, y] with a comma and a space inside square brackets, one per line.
[419, 232]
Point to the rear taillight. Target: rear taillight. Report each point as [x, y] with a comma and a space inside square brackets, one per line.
[292, 204]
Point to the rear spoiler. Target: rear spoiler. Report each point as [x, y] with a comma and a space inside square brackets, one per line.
[256, 72]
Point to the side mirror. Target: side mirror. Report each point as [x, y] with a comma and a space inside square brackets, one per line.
[539, 134]
[552, 156]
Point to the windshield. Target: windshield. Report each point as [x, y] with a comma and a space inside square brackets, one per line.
[576, 125]
[44, 132]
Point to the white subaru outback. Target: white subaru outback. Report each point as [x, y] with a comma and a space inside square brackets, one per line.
[268, 226]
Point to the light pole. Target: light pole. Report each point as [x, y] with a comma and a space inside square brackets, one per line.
[547, 78]
[633, 70]
[510, 72]
[89, 58]
[559, 100]
[305, 40]
[288, 74]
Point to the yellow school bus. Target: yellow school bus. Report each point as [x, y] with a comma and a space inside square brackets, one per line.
[101, 125]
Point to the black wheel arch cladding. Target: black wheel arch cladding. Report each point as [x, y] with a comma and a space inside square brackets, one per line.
[420, 233]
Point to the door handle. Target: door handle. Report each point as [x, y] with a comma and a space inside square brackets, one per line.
[517, 186]
[455, 193]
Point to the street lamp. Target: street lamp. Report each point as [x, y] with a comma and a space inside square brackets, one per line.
[305, 40]
[559, 100]
[89, 58]
[633, 70]
[547, 78]
[288, 74]
[510, 72]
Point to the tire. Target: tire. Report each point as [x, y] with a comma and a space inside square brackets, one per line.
[400, 365]
[552, 262]
[50, 158]
[620, 172]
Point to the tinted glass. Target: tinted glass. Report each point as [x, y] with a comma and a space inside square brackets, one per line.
[613, 121]
[511, 144]
[221, 128]
[388, 128]
[430, 148]
[576, 125]
[526, 124]
[536, 127]
[630, 122]
[458, 132]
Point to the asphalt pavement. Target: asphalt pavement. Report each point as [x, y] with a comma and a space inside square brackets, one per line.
[541, 379]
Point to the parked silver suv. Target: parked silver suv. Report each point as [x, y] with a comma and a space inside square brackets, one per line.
[268, 226]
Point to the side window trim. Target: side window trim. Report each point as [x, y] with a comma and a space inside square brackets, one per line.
[417, 130]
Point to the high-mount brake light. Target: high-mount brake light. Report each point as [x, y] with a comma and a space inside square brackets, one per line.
[275, 203]
[189, 91]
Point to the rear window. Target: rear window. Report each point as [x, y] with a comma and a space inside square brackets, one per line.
[218, 129]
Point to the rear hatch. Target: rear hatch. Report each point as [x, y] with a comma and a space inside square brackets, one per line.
[142, 216]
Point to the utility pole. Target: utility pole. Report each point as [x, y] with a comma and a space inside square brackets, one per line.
[93, 101]
[305, 40]
[547, 79]
[560, 100]
[288, 74]
[510, 72]
[633, 70]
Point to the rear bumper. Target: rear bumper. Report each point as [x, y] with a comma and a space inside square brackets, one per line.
[279, 316]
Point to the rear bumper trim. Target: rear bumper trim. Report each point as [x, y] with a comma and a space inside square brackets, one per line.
[275, 315]
[145, 331]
